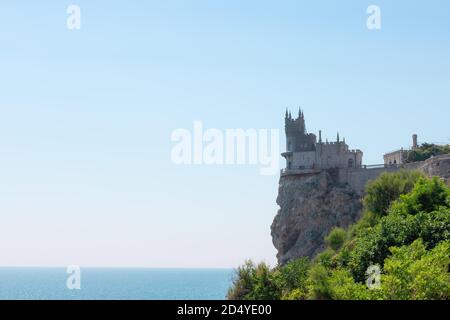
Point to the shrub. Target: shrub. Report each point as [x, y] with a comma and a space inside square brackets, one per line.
[264, 285]
[243, 281]
[336, 238]
[295, 294]
[388, 187]
[343, 287]
[318, 283]
[293, 275]
[426, 151]
[326, 258]
[427, 196]
[403, 224]
[412, 272]
[254, 282]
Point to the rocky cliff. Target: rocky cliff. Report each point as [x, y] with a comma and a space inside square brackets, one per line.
[311, 205]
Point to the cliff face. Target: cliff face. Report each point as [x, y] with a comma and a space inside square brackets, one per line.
[311, 205]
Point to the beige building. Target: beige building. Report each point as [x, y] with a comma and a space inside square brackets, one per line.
[399, 156]
[395, 157]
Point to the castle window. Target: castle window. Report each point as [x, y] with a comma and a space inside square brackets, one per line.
[350, 163]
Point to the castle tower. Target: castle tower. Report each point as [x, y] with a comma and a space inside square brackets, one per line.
[415, 145]
[297, 138]
[295, 125]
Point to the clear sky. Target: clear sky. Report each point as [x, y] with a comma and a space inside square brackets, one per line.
[86, 116]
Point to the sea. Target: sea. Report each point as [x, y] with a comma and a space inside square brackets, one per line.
[114, 284]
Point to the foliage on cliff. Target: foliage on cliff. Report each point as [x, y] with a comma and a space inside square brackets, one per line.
[426, 151]
[405, 232]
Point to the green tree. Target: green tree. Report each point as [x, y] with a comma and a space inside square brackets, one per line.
[424, 212]
[326, 258]
[318, 283]
[336, 238]
[254, 282]
[243, 281]
[343, 287]
[264, 285]
[426, 151]
[427, 196]
[413, 273]
[291, 279]
[388, 187]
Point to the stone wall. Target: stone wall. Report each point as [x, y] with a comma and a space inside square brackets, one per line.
[437, 166]
[357, 178]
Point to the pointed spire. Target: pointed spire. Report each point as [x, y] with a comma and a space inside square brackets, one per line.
[338, 136]
[290, 116]
[300, 112]
[286, 116]
[303, 116]
[320, 136]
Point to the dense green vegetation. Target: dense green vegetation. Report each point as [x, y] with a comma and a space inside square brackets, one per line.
[404, 232]
[426, 151]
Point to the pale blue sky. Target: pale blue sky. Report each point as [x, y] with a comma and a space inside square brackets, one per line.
[86, 116]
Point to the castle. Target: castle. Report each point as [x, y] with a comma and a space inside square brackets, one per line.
[305, 156]
[304, 152]
[323, 185]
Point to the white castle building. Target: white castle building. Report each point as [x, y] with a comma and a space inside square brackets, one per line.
[304, 152]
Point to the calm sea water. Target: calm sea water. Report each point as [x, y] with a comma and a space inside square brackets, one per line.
[99, 283]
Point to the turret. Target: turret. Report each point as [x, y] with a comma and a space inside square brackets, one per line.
[415, 145]
[295, 125]
[297, 138]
